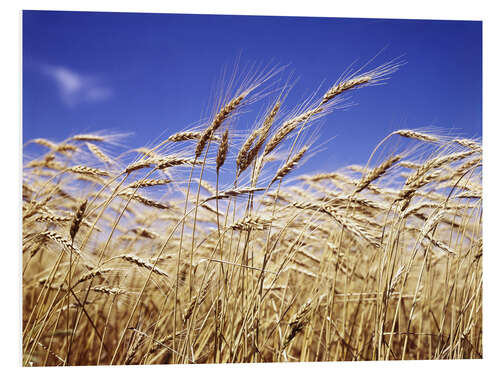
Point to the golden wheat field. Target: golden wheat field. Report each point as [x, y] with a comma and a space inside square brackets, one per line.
[213, 246]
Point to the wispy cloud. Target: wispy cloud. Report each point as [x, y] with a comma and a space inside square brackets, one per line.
[75, 88]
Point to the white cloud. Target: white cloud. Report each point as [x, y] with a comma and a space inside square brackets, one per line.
[75, 88]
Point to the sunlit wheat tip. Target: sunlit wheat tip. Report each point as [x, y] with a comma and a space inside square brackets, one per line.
[416, 135]
[223, 148]
[291, 164]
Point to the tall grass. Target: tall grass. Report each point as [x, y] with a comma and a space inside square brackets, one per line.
[212, 248]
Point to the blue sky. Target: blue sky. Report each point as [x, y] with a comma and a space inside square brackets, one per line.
[155, 73]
